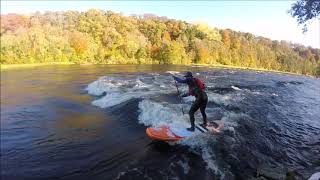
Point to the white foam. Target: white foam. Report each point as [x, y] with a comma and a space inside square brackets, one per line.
[173, 72]
[209, 158]
[110, 100]
[157, 114]
[188, 99]
[121, 89]
[100, 86]
[219, 99]
[315, 176]
[200, 144]
[235, 88]
[256, 92]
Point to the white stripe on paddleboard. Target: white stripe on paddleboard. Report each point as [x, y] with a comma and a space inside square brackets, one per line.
[199, 129]
[203, 129]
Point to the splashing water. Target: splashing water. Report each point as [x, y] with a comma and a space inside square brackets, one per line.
[157, 113]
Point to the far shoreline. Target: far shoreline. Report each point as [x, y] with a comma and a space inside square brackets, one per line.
[4, 67]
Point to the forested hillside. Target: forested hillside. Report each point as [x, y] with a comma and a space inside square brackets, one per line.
[109, 38]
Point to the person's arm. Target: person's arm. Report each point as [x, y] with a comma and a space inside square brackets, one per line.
[179, 80]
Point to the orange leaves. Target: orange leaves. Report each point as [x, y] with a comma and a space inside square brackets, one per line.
[226, 38]
[166, 37]
[78, 42]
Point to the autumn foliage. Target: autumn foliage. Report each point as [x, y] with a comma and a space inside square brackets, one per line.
[101, 37]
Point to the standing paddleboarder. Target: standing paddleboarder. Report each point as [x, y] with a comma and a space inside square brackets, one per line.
[196, 88]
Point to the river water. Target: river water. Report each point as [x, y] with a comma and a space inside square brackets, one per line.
[81, 122]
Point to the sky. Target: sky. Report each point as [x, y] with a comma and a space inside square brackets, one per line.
[262, 18]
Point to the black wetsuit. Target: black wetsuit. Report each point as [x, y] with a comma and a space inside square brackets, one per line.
[201, 99]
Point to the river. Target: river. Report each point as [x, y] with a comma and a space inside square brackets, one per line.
[81, 122]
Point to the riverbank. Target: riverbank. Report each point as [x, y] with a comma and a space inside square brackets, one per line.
[249, 68]
[17, 66]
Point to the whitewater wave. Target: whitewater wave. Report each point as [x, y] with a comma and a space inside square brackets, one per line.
[235, 88]
[113, 99]
[155, 113]
[121, 89]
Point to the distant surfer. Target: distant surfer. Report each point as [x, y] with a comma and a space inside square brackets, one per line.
[196, 88]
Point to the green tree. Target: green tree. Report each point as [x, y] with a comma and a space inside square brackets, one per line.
[305, 10]
[172, 53]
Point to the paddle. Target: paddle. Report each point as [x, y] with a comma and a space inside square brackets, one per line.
[175, 82]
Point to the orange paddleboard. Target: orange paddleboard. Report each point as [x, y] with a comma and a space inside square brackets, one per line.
[169, 134]
[162, 133]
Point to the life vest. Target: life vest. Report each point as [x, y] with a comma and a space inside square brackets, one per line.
[198, 83]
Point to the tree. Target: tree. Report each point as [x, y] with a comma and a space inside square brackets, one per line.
[305, 10]
[226, 38]
[78, 42]
[202, 52]
[166, 37]
[172, 53]
[317, 71]
[97, 37]
[209, 33]
[12, 22]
